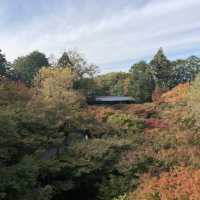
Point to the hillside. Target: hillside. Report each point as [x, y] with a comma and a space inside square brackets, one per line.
[55, 146]
[99, 100]
[168, 147]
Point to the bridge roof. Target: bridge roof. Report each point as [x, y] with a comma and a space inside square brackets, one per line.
[113, 98]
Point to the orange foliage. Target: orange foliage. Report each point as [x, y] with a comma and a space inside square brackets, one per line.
[181, 183]
[99, 113]
[176, 94]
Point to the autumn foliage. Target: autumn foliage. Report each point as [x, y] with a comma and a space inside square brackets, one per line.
[179, 184]
[13, 92]
[176, 94]
[155, 123]
[99, 113]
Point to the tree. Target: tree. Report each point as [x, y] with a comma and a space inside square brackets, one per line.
[118, 89]
[2, 63]
[186, 70]
[64, 61]
[113, 83]
[161, 69]
[26, 67]
[55, 101]
[77, 64]
[141, 84]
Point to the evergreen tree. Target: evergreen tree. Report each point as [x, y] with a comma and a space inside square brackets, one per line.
[2, 63]
[64, 61]
[161, 69]
[77, 64]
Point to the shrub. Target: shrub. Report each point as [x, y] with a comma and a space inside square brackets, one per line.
[126, 122]
[121, 197]
[101, 114]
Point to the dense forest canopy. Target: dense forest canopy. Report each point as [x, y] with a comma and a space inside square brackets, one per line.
[53, 146]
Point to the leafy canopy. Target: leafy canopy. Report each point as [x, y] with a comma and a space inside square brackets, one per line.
[141, 84]
[26, 67]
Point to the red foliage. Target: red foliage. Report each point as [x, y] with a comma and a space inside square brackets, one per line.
[155, 123]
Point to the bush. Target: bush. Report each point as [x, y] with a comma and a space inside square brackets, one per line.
[126, 122]
[121, 197]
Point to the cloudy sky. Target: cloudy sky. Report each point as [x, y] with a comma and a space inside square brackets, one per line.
[111, 33]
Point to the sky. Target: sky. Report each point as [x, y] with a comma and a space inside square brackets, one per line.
[114, 34]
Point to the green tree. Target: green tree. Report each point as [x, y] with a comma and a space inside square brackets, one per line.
[141, 84]
[118, 89]
[113, 83]
[77, 64]
[185, 71]
[26, 67]
[64, 60]
[161, 69]
[2, 63]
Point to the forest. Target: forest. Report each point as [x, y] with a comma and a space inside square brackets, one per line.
[54, 146]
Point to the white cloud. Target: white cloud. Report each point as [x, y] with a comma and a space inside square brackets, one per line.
[110, 34]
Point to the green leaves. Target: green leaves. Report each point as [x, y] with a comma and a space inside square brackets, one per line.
[161, 69]
[26, 67]
[111, 84]
[142, 83]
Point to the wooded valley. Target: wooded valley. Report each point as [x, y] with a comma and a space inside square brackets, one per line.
[54, 146]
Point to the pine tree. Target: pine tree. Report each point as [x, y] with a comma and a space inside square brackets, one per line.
[161, 69]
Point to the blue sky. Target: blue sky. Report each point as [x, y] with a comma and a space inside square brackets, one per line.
[110, 33]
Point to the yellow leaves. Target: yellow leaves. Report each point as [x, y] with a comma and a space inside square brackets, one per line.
[59, 77]
[54, 91]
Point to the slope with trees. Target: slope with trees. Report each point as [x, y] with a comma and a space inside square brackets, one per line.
[53, 146]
